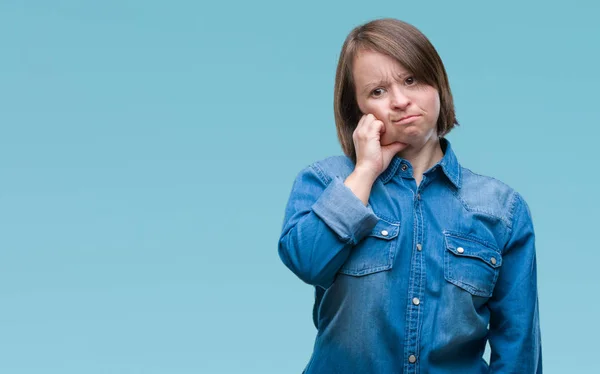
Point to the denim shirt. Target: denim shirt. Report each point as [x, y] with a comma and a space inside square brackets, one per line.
[421, 277]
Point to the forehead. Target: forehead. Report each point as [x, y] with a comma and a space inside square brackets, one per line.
[369, 65]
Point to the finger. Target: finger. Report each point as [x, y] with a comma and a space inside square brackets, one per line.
[365, 126]
[366, 119]
[357, 128]
[377, 127]
[360, 126]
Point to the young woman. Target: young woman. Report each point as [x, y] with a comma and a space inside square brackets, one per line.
[417, 262]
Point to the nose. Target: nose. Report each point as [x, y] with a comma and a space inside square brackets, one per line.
[398, 99]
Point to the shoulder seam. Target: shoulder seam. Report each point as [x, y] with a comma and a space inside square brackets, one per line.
[487, 176]
[320, 173]
[506, 218]
[511, 210]
[469, 208]
[318, 167]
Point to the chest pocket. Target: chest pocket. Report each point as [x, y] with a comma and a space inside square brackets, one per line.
[471, 263]
[375, 252]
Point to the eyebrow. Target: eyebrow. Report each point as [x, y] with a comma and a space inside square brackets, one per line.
[369, 86]
[374, 84]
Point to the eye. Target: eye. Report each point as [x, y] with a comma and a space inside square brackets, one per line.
[377, 92]
[410, 81]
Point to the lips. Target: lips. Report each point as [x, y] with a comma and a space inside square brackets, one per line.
[407, 118]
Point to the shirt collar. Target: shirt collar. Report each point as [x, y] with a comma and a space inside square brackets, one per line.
[449, 164]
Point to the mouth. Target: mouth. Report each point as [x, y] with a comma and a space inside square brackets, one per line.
[406, 119]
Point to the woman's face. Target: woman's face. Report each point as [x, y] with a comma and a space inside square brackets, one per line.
[387, 90]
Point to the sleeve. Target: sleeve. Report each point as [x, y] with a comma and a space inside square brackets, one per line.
[514, 335]
[323, 220]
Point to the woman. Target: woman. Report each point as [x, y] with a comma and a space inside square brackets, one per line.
[417, 262]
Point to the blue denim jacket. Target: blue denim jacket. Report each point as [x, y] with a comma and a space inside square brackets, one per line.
[421, 277]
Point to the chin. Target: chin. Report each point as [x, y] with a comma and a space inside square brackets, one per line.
[390, 141]
[402, 139]
[393, 138]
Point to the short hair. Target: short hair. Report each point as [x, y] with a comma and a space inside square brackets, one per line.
[407, 45]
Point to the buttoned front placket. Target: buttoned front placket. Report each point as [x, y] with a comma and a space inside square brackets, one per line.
[416, 288]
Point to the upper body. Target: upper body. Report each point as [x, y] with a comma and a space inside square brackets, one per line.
[420, 271]
[416, 261]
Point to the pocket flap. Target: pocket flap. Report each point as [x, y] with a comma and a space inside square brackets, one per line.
[375, 252]
[385, 230]
[470, 247]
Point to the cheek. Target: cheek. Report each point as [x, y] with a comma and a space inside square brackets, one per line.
[436, 106]
[375, 108]
[433, 103]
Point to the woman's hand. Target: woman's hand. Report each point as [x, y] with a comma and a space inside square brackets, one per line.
[371, 157]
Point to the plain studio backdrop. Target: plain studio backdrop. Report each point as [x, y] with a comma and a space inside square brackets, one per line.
[148, 149]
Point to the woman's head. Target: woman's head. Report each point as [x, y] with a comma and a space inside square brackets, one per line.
[390, 69]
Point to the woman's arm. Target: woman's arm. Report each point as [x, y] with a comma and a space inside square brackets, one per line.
[514, 335]
[324, 218]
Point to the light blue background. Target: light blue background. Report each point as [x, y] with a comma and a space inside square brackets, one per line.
[147, 150]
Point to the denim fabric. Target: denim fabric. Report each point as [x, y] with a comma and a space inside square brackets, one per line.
[419, 279]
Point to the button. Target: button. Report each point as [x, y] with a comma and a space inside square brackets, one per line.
[404, 167]
[412, 359]
[384, 232]
[418, 196]
[493, 261]
[419, 247]
[460, 250]
[416, 301]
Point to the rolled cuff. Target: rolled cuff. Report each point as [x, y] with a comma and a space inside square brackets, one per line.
[344, 212]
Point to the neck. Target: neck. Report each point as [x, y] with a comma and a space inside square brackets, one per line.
[423, 158]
